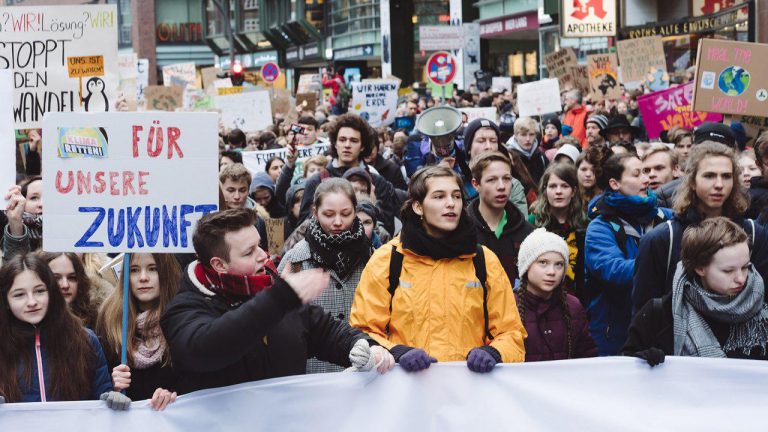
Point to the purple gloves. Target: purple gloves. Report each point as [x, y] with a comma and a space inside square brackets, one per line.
[480, 360]
[415, 360]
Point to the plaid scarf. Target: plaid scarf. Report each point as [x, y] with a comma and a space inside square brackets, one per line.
[340, 252]
[233, 287]
[746, 313]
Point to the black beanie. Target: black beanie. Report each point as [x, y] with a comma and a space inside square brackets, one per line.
[471, 129]
[553, 120]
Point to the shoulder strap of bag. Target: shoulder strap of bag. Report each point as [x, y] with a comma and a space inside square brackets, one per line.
[671, 241]
[395, 267]
[480, 272]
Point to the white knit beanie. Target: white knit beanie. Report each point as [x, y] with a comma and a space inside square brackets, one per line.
[539, 242]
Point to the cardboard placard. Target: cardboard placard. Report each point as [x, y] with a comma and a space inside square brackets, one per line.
[638, 56]
[180, 74]
[310, 83]
[580, 74]
[663, 109]
[127, 68]
[479, 113]
[375, 101]
[275, 235]
[729, 78]
[37, 42]
[306, 101]
[256, 161]
[7, 134]
[249, 112]
[209, 75]
[162, 98]
[85, 66]
[559, 64]
[281, 101]
[114, 180]
[604, 76]
[538, 98]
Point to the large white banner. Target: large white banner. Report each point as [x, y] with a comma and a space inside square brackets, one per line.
[249, 112]
[375, 101]
[7, 134]
[64, 58]
[127, 182]
[256, 161]
[606, 394]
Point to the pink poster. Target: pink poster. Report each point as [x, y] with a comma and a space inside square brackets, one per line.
[672, 107]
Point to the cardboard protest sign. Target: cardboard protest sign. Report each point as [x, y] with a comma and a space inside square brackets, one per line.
[232, 90]
[115, 180]
[162, 98]
[580, 79]
[180, 74]
[7, 134]
[38, 44]
[209, 75]
[375, 101]
[638, 56]
[478, 113]
[142, 77]
[310, 83]
[306, 101]
[256, 161]
[663, 109]
[559, 64]
[729, 78]
[501, 83]
[249, 112]
[281, 101]
[603, 76]
[275, 235]
[538, 97]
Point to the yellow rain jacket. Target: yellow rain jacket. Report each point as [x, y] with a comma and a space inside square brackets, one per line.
[438, 306]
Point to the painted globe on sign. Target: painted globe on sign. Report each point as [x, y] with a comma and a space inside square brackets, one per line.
[733, 80]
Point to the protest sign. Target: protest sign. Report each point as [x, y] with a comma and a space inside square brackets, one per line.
[309, 83]
[580, 79]
[753, 126]
[249, 112]
[127, 69]
[538, 97]
[209, 75]
[375, 101]
[663, 109]
[501, 83]
[38, 43]
[478, 113]
[7, 134]
[559, 64]
[603, 76]
[728, 78]
[224, 91]
[281, 101]
[127, 182]
[256, 161]
[638, 56]
[306, 101]
[275, 235]
[440, 37]
[179, 74]
[142, 77]
[162, 98]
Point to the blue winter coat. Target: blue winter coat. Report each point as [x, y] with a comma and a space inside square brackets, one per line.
[102, 382]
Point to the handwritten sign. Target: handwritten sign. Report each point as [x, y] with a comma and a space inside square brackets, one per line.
[539, 97]
[162, 98]
[729, 78]
[142, 77]
[127, 69]
[306, 101]
[129, 200]
[604, 76]
[559, 65]
[249, 112]
[638, 56]
[375, 101]
[223, 91]
[80, 67]
[180, 74]
[37, 43]
[310, 83]
[663, 109]
[479, 113]
[256, 161]
[7, 134]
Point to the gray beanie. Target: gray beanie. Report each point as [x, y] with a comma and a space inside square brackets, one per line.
[539, 242]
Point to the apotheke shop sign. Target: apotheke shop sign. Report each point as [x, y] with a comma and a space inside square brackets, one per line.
[589, 18]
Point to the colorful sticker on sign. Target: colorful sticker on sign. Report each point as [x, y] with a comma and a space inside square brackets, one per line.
[733, 81]
[82, 142]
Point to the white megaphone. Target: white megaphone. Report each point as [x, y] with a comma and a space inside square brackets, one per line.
[439, 124]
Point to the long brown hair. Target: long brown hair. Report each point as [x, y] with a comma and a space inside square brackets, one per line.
[541, 208]
[81, 306]
[418, 189]
[109, 323]
[71, 358]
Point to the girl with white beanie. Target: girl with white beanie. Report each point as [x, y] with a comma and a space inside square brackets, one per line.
[556, 322]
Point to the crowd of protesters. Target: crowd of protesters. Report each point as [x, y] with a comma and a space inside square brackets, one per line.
[560, 237]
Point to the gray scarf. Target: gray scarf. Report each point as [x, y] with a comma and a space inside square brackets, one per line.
[513, 145]
[746, 313]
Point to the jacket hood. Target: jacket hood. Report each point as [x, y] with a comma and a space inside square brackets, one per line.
[262, 180]
[514, 218]
[513, 145]
[292, 191]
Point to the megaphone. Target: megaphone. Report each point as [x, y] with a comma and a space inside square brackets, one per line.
[439, 124]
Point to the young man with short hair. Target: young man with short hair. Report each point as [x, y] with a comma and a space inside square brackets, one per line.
[500, 226]
[385, 167]
[525, 144]
[660, 164]
[234, 181]
[758, 188]
[235, 320]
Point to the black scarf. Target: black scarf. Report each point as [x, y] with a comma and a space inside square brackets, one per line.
[341, 252]
[462, 241]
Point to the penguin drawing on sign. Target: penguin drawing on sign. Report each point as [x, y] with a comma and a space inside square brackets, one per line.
[96, 98]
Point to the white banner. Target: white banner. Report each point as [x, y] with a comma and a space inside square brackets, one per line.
[501, 83]
[386, 39]
[440, 37]
[180, 74]
[7, 134]
[127, 182]
[605, 394]
[249, 112]
[375, 101]
[256, 161]
[538, 97]
[471, 52]
[57, 54]
[479, 113]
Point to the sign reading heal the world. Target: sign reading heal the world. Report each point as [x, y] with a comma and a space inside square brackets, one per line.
[64, 58]
[663, 109]
[375, 101]
[127, 182]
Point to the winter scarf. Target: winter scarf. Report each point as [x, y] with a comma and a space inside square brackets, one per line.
[339, 252]
[632, 208]
[236, 287]
[462, 241]
[149, 343]
[746, 313]
[513, 145]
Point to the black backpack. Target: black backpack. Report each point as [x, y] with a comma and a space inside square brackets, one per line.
[396, 266]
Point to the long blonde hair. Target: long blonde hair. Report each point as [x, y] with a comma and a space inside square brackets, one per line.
[109, 322]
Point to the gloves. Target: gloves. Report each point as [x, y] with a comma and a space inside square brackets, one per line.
[416, 360]
[116, 400]
[480, 360]
[654, 356]
[360, 357]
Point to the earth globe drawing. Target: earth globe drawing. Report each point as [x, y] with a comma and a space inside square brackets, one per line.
[733, 80]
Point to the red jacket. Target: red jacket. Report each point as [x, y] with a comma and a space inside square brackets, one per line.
[575, 118]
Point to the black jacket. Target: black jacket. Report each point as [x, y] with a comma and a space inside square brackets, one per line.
[390, 171]
[508, 245]
[665, 195]
[758, 200]
[215, 343]
[536, 164]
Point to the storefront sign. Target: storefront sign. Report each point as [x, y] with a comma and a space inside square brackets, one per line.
[179, 33]
[358, 51]
[701, 24]
[444, 37]
[589, 18]
[730, 78]
[664, 109]
[604, 76]
[638, 56]
[509, 24]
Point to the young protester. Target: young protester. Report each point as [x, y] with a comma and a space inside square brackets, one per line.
[559, 210]
[47, 354]
[716, 307]
[758, 186]
[236, 139]
[369, 216]
[660, 164]
[525, 145]
[385, 167]
[234, 183]
[293, 202]
[75, 286]
[618, 131]
[749, 168]
[620, 218]
[234, 286]
[273, 168]
[229, 157]
[499, 226]
[32, 190]
[568, 152]
[594, 130]
[682, 138]
[709, 189]
[413, 296]
[336, 243]
[552, 129]
[555, 321]
[149, 374]
[262, 191]
[588, 169]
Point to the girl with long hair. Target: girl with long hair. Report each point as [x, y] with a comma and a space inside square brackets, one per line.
[74, 283]
[589, 167]
[153, 279]
[556, 322]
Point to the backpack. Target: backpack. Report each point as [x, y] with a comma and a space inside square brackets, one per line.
[396, 266]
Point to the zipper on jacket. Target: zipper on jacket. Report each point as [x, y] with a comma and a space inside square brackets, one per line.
[40, 375]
